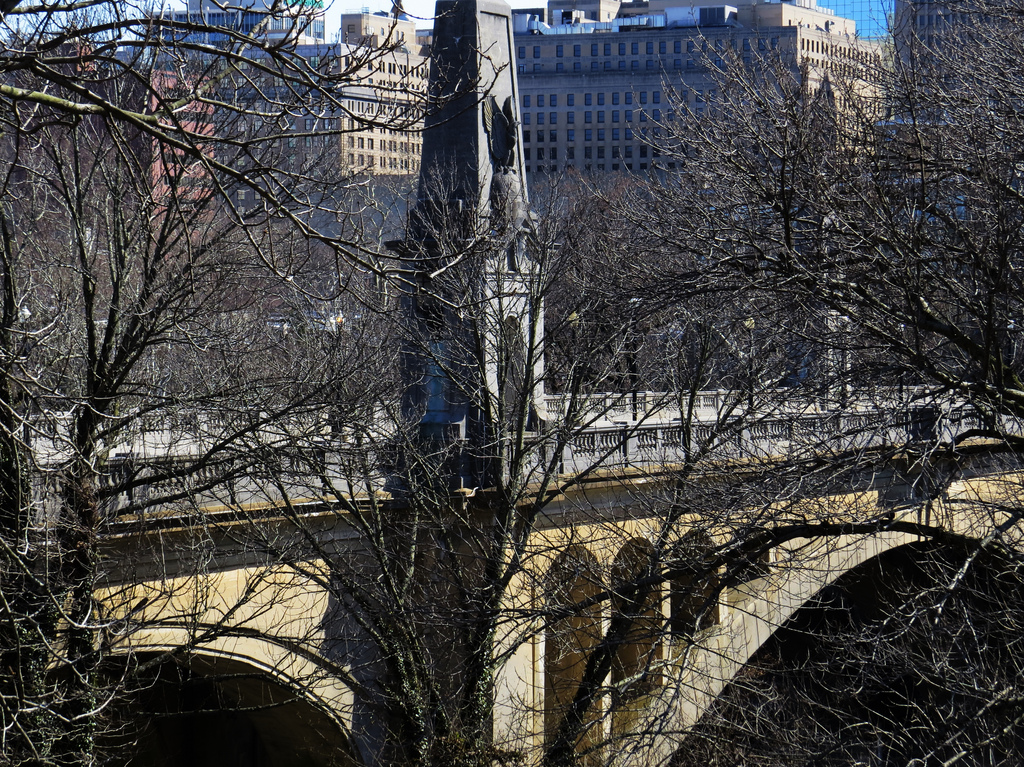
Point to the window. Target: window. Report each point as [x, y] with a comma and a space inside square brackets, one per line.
[746, 43]
[677, 63]
[760, 44]
[536, 51]
[650, 63]
[526, 118]
[588, 152]
[526, 137]
[540, 135]
[593, 49]
[607, 49]
[526, 154]
[553, 135]
[540, 153]
[309, 123]
[629, 134]
[588, 117]
[629, 98]
[600, 134]
[622, 49]
[576, 50]
[553, 154]
[588, 99]
[657, 115]
[615, 153]
[570, 117]
[526, 101]
[558, 51]
[615, 98]
[643, 116]
[536, 67]
[663, 47]
[690, 64]
[643, 97]
[689, 46]
[540, 100]
[559, 67]
[629, 150]
[600, 153]
[634, 65]
[643, 151]
[594, 66]
[570, 100]
[600, 116]
[588, 134]
[570, 153]
[656, 97]
[576, 66]
[622, 66]
[650, 48]
[570, 135]
[629, 115]
[677, 46]
[615, 115]
[600, 99]
[635, 49]
[553, 118]
[615, 134]
[553, 101]
[540, 118]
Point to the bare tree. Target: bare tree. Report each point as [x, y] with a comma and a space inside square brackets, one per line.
[156, 339]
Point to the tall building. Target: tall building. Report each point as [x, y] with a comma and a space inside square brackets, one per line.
[299, 22]
[595, 92]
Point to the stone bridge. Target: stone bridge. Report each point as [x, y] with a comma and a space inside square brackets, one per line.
[216, 596]
[233, 593]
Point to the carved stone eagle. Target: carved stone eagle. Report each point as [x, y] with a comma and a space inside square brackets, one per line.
[502, 131]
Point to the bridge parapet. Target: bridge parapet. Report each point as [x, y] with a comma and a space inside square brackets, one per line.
[641, 430]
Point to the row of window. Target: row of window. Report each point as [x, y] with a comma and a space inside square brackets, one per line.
[391, 163]
[387, 145]
[588, 99]
[588, 152]
[538, 118]
[652, 64]
[588, 135]
[634, 47]
[590, 167]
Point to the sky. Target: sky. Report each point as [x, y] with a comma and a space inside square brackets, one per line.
[423, 9]
[869, 14]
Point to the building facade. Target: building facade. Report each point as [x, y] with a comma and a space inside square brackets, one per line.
[597, 93]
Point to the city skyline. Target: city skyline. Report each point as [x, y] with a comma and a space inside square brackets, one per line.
[870, 15]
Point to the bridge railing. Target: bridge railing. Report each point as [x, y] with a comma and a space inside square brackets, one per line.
[619, 429]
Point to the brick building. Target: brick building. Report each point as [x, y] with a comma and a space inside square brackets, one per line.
[596, 91]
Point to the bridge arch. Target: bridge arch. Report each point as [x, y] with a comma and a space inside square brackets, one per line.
[220, 708]
[756, 609]
[575, 577]
[924, 695]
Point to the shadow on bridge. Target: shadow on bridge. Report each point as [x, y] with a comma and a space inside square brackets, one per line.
[218, 711]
